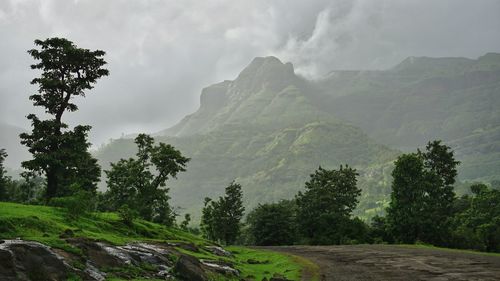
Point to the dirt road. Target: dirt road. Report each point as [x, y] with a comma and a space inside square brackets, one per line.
[388, 262]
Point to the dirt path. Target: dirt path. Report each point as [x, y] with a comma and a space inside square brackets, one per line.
[387, 262]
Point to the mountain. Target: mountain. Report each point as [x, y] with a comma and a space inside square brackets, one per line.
[10, 141]
[421, 99]
[269, 128]
[263, 131]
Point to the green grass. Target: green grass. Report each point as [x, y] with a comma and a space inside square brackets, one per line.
[45, 225]
[270, 263]
[426, 246]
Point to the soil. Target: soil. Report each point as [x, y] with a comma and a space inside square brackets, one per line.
[390, 262]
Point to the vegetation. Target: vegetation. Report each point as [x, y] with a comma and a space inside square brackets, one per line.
[325, 207]
[61, 154]
[273, 224]
[46, 224]
[221, 218]
[476, 224]
[139, 184]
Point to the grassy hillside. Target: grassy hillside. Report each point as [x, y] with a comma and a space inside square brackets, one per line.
[47, 224]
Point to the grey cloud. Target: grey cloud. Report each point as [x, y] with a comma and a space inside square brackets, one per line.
[161, 53]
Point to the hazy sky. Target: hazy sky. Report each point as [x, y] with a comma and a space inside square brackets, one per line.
[161, 53]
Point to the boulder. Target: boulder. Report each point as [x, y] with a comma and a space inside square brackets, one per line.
[190, 268]
[26, 260]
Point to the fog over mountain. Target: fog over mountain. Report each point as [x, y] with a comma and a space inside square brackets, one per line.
[160, 53]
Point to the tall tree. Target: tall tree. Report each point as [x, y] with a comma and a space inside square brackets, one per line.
[440, 170]
[221, 219]
[422, 195]
[325, 207]
[405, 212]
[140, 182]
[59, 153]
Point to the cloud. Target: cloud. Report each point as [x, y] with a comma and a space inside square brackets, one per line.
[161, 53]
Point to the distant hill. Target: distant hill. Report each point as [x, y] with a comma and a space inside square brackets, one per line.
[262, 130]
[453, 99]
[10, 141]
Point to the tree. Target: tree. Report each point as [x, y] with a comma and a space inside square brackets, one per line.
[185, 223]
[221, 219]
[273, 224]
[140, 182]
[62, 154]
[422, 195]
[476, 225]
[405, 211]
[4, 180]
[325, 207]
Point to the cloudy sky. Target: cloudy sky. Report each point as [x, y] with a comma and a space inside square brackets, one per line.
[161, 53]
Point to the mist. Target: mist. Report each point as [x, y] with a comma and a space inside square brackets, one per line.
[162, 53]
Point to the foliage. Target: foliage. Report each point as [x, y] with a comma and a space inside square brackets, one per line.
[477, 222]
[127, 215]
[406, 208]
[58, 153]
[81, 203]
[140, 182]
[185, 223]
[221, 219]
[325, 207]
[273, 224]
[422, 195]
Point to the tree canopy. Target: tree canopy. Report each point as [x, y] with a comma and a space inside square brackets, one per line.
[324, 208]
[140, 182]
[221, 219]
[59, 153]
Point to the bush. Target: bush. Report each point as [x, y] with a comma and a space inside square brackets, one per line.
[79, 204]
[127, 215]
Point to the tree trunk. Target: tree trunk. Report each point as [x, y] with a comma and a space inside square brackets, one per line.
[51, 183]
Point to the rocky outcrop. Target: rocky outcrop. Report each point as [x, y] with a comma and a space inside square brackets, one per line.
[27, 260]
[190, 268]
[218, 251]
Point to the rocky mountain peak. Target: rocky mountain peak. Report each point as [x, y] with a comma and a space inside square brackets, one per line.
[269, 72]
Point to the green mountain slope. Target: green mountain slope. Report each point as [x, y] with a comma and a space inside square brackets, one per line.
[454, 99]
[263, 131]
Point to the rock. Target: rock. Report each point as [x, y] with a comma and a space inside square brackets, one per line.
[189, 268]
[26, 260]
[97, 253]
[7, 266]
[219, 251]
[94, 273]
[220, 267]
